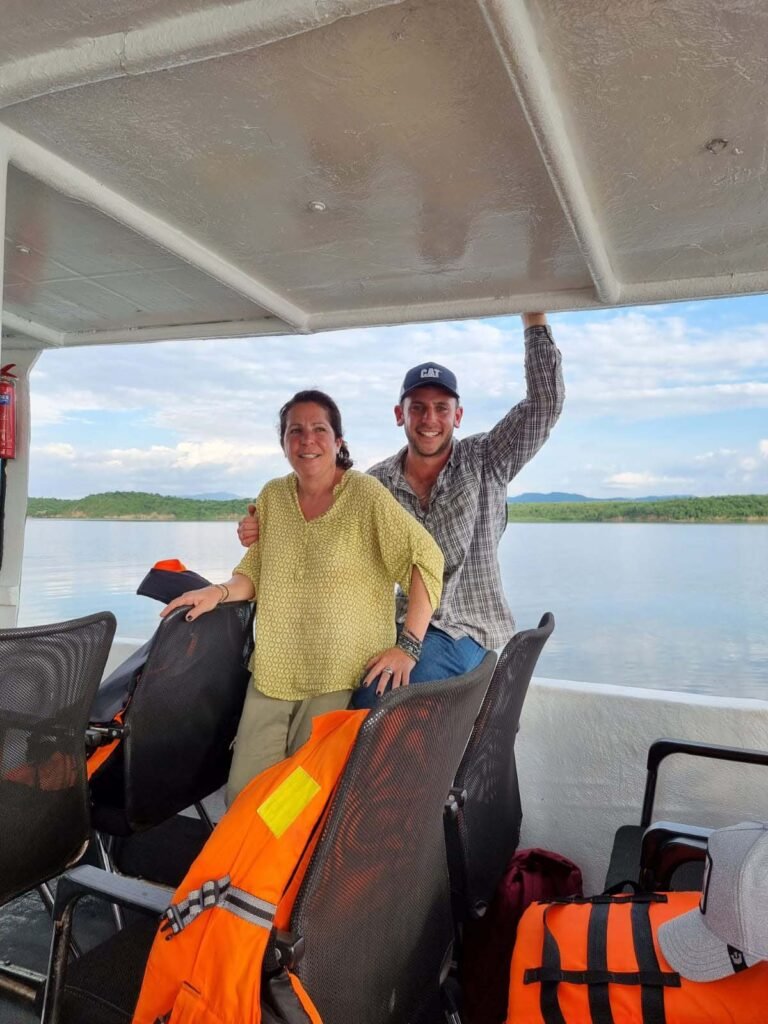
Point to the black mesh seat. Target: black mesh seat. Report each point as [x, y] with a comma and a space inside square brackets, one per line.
[180, 722]
[483, 825]
[374, 907]
[48, 678]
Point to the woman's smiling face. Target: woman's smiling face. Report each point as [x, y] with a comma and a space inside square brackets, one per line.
[308, 442]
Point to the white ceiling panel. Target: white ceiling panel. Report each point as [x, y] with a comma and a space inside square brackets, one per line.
[393, 124]
[668, 103]
[35, 27]
[295, 166]
[72, 269]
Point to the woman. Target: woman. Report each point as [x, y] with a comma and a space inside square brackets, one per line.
[332, 544]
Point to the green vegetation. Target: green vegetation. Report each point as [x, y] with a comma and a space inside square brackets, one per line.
[737, 508]
[734, 508]
[136, 505]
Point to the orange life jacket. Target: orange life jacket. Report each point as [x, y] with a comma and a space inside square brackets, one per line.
[598, 961]
[58, 771]
[205, 966]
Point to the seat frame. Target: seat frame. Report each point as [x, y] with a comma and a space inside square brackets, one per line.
[664, 846]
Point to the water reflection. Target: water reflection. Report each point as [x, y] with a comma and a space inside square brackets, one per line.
[657, 605]
[74, 568]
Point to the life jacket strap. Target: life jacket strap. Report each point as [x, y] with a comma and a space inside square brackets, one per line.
[597, 959]
[548, 1001]
[607, 899]
[651, 994]
[221, 893]
[659, 979]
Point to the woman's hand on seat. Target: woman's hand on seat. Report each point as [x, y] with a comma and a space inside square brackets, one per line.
[391, 664]
[200, 601]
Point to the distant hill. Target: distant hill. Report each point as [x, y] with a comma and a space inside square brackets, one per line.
[533, 497]
[135, 505]
[530, 497]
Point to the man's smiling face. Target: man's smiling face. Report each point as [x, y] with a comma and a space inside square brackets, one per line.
[429, 415]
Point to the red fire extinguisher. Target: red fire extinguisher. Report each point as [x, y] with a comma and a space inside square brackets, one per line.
[7, 412]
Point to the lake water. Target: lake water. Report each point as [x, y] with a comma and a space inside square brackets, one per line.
[661, 605]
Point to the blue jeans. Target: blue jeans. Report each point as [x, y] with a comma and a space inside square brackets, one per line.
[441, 658]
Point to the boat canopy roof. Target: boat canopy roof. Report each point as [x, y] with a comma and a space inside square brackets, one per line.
[187, 168]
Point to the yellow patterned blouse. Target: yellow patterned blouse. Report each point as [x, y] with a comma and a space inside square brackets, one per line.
[325, 589]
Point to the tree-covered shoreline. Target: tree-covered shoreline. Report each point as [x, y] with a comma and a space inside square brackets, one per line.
[140, 505]
[137, 505]
[735, 508]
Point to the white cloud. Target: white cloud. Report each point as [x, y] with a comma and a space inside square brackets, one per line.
[58, 451]
[731, 470]
[181, 468]
[638, 367]
[631, 481]
[186, 418]
[721, 453]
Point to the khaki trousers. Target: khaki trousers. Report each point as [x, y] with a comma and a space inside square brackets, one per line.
[271, 730]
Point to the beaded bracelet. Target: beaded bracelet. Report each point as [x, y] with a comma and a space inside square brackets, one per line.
[224, 592]
[409, 645]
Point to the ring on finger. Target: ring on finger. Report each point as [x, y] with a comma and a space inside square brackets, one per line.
[388, 671]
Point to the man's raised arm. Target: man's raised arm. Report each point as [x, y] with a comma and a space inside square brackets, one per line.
[518, 436]
[534, 320]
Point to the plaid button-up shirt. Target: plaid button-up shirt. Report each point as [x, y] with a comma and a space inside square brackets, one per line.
[467, 512]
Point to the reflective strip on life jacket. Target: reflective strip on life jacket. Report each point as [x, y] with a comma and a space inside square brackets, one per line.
[219, 893]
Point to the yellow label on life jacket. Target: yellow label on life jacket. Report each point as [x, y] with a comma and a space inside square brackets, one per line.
[284, 804]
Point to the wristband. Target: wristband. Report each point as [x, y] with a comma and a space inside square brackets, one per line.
[409, 645]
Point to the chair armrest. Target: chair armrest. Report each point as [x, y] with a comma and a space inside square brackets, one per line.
[662, 748]
[130, 893]
[666, 846]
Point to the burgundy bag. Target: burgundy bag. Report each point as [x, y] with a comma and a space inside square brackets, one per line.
[487, 951]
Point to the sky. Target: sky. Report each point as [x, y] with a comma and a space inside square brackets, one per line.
[660, 400]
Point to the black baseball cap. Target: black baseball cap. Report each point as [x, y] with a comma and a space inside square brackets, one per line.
[430, 375]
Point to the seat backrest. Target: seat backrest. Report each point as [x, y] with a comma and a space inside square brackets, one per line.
[487, 829]
[374, 906]
[48, 677]
[181, 720]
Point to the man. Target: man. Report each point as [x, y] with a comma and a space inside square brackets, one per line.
[458, 490]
